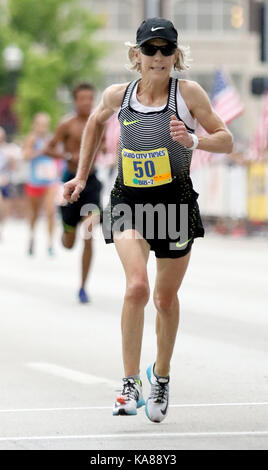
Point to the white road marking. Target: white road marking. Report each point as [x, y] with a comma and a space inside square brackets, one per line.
[90, 408]
[70, 374]
[139, 436]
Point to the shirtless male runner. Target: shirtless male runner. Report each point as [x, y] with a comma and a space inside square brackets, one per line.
[69, 133]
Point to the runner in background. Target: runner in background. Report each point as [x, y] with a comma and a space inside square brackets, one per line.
[68, 135]
[41, 186]
[9, 155]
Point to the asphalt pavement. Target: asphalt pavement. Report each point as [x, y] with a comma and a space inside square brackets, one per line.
[60, 361]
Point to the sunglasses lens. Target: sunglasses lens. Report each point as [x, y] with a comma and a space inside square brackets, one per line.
[150, 49]
[167, 50]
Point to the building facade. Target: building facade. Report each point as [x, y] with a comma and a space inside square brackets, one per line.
[221, 34]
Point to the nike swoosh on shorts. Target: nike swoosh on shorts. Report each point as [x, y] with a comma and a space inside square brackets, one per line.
[179, 245]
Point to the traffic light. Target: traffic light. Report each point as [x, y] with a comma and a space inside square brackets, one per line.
[259, 85]
[237, 16]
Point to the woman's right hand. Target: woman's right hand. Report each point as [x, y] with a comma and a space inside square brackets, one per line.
[73, 188]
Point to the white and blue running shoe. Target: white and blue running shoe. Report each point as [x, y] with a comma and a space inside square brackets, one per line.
[157, 404]
[130, 399]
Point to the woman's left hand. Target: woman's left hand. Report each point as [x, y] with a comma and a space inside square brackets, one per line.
[179, 132]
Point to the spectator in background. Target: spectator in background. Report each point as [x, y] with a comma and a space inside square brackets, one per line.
[9, 154]
[41, 186]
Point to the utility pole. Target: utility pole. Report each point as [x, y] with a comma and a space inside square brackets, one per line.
[152, 8]
[259, 84]
[264, 31]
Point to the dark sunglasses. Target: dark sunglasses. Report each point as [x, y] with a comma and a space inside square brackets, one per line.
[150, 49]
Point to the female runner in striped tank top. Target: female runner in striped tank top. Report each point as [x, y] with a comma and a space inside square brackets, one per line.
[153, 205]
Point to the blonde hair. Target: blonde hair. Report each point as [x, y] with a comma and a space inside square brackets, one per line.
[182, 63]
[41, 115]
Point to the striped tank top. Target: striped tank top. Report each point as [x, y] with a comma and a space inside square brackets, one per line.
[148, 157]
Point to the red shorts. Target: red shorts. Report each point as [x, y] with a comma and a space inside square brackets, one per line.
[35, 191]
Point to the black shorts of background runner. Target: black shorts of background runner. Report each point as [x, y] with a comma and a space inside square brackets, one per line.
[71, 213]
[179, 191]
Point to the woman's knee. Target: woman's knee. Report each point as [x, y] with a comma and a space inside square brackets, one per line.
[138, 291]
[50, 215]
[33, 211]
[165, 302]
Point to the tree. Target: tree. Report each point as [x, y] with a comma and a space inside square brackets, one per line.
[56, 37]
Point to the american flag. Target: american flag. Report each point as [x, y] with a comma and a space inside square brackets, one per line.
[225, 99]
[227, 104]
[260, 140]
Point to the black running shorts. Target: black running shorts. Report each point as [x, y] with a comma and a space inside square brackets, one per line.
[167, 217]
[71, 213]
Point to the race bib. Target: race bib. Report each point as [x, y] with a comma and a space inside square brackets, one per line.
[46, 171]
[146, 169]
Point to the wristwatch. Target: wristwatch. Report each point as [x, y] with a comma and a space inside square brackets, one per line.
[195, 144]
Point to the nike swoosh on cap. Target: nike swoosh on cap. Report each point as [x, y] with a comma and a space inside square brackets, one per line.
[159, 27]
[127, 123]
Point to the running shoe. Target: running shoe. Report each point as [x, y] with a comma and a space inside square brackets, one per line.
[157, 404]
[31, 248]
[130, 399]
[50, 251]
[83, 297]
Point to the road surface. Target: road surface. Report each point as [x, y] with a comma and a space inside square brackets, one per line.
[60, 362]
